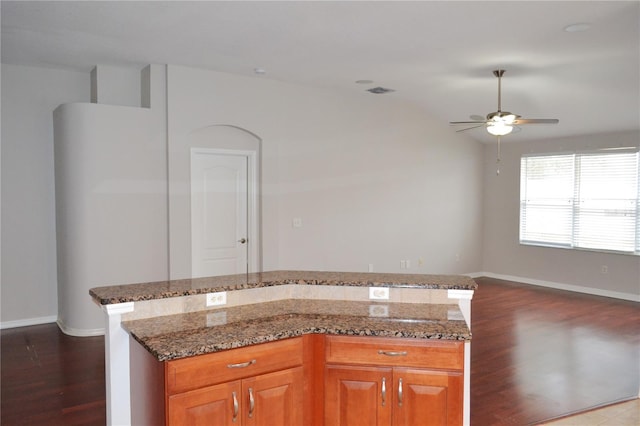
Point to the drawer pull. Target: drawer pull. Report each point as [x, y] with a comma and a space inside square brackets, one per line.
[252, 402]
[235, 407]
[392, 353]
[400, 393]
[384, 391]
[242, 364]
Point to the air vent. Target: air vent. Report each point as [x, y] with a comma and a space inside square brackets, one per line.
[380, 90]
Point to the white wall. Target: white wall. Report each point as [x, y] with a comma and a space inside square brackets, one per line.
[373, 180]
[116, 86]
[29, 96]
[563, 268]
[111, 199]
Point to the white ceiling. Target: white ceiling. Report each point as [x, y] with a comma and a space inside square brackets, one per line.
[438, 54]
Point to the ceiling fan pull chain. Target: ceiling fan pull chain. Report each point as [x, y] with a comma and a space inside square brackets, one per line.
[498, 155]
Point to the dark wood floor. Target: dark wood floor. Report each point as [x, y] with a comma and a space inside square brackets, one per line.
[49, 378]
[536, 354]
[539, 353]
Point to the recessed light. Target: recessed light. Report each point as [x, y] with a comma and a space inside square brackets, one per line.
[364, 81]
[259, 71]
[576, 28]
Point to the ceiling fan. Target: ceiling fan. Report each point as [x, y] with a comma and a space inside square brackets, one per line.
[500, 123]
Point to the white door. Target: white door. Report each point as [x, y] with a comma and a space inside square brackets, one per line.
[219, 203]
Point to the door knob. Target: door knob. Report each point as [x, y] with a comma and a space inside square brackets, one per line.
[242, 240]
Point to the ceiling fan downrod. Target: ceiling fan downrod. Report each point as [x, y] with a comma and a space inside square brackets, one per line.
[499, 74]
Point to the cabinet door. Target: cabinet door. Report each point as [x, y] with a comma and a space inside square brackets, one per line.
[217, 405]
[357, 396]
[274, 399]
[427, 397]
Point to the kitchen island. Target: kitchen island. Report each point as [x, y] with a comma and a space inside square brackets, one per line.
[171, 322]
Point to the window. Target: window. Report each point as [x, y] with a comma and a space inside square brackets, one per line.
[585, 200]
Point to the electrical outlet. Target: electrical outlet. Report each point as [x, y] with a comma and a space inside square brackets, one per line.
[378, 293]
[403, 264]
[408, 263]
[217, 299]
[371, 267]
[604, 269]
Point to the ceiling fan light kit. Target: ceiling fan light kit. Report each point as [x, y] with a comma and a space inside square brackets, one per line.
[500, 123]
[499, 129]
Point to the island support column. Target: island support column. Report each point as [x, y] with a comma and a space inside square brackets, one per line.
[116, 362]
[464, 302]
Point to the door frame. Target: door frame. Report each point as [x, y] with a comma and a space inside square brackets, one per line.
[253, 196]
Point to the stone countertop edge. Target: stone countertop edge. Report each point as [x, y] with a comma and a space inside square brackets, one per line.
[203, 349]
[108, 295]
[198, 333]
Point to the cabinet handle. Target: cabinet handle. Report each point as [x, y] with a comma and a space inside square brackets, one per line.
[392, 353]
[384, 391]
[400, 393]
[252, 402]
[242, 364]
[235, 407]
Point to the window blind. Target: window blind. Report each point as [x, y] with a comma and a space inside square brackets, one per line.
[583, 200]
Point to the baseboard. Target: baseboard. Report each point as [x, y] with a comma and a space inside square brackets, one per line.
[476, 274]
[49, 320]
[80, 332]
[560, 286]
[27, 322]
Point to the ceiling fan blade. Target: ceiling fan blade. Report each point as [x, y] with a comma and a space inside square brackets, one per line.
[477, 117]
[536, 121]
[468, 122]
[469, 128]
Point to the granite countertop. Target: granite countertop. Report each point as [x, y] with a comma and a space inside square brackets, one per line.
[183, 335]
[175, 288]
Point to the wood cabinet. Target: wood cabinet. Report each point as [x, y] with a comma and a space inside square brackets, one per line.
[374, 381]
[212, 405]
[256, 385]
[312, 380]
[268, 399]
[260, 385]
[357, 395]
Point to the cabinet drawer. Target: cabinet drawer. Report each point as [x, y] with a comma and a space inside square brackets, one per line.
[441, 354]
[204, 370]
